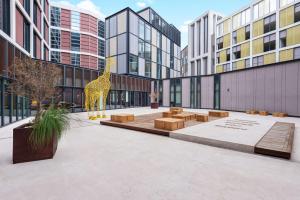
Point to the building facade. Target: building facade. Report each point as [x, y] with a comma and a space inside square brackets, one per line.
[77, 37]
[262, 33]
[142, 44]
[201, 44]
[184, 56]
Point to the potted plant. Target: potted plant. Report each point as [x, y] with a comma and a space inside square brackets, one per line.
[153, 97]
[38, 139]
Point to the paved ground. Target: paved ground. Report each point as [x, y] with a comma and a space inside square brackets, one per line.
[99, 162]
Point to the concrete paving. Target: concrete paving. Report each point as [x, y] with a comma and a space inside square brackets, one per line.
[100, 162]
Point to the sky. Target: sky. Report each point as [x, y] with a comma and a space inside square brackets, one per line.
[177, 12]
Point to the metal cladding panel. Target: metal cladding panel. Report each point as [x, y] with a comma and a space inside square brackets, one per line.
[93, 48]
[84, 43]
[84, 22]
[269, 89]
[38, 48]
[65, 58]
[19, 28]
[207, 92]
[250, 89]
[166, 93]
[93, 62]
[291, 88]
[65, 18]
[65, 40]
[93, 25]
[259, 90]
[186, 82]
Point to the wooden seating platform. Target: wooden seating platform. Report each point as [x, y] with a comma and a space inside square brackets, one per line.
[167, 114]
[252, 112]
[278, 141]
[185, 116]
[170, 124]
[202, 118]
[263, 113]
[218, 113]
[279, 114]
[122, 118]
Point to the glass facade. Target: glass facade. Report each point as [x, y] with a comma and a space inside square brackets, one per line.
[55, 16]
[5, 16]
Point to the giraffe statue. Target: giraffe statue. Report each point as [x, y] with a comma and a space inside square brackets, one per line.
[96, 93]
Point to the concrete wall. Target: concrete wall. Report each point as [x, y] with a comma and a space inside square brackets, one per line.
[275, 89]
[186, 82]
[207, 92]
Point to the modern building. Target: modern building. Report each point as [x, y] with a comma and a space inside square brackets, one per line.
[201, 43]
[77, 37]
[262, 33]
[184, 61]
[142, 44]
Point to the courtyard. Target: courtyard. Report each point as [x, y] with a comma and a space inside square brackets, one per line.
[94, 161]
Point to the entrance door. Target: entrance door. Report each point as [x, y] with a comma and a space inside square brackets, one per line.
[217, 92]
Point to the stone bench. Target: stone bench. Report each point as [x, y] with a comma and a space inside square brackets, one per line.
[169, 124]
[167, 114]
[218, 114]
[202, 118]
[184, 116]
[279, 114]
[122, 118]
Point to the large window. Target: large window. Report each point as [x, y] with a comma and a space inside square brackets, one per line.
[205, 38]
[236, 52]
[55, 16]
[297, 12]
[55, 56]
[27, 6]
[147, 51]
[285, 2]
[270, 23]
[101, 47]
[55, 38]
[35, 11]
[141, 48]
[263, 8]
[5, 16]
[75, 20]
[247, 34]
[147, 33]
[133, 64]
[269, 42]
[101, 29]
[141, 29]
[241, 19]
[282, 38]
[75, 41]
[148, 69]
[220, 43]
[26, 36]
[75, 59]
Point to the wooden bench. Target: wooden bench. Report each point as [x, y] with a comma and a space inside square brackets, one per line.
[167, 114]
[122, 118]
[176, 110]
[263, 113]
[185, 116]
[170, 124]
[278, 141]
[202, 118]
[252, 112]
[279, 114]
[218, 113]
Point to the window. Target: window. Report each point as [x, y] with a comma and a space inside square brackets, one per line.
[75, 41]
[55, 16]
[220, 29]
[297, 53]
[282, 38]
[270, 23]
[218, 57]
[55, 56]
[247, 34]
[234, 37]
[285, 2]
[220, 43]
[147, 51]
[75, 20]
[148, 69]
[101, 29]
[226, 67]
[101, 64]
[141, 48]
[258, 61]
[205, 38]
[75, 59]
[35, 10]
[241, 19]
[236, 52]
[27, 6]
[34, 44]
[5, 16]
[26, 36]
[269, 42]
[228, 55]
[297, 12]
[141, 29]
[147, 33]
[101, 48]
[133, 64]
[263, 8]
[55, 39]
[247, 63]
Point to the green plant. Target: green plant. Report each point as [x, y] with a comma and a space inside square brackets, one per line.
[50, 123]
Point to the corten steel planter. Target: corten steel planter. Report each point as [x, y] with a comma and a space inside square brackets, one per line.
[154, 105]
[22, 149]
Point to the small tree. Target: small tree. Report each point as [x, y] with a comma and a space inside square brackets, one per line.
[33, 79]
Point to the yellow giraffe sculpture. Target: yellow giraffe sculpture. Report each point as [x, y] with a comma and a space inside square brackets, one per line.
[96, 93]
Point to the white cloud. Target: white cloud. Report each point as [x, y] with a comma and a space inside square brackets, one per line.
[141, 4]
[184, 27]
[86, 5]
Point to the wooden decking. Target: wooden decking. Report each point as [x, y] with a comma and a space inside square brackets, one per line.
[278, 141]
[145, 123]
